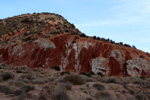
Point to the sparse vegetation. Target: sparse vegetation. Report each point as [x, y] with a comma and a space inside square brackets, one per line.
[131, 91]
[140, 97]
[28, 80]
[25, 21]
[64, 73]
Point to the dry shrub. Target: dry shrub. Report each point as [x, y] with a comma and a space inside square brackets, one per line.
[60, 94]
[7, 75]
[135, 80]
[18, 88]
[1, 79]
[99, 87]
[89, 99]
[111, 80]
[140, 97]
[87, 79]
[123, 91]
[27, 88]
[103, 96]
[68, 85]
[7, 89]
[131, 91]
[15, 91]
[64, 73]
[19, 83]
[130, 99]
[144, 84]
[2, 66]
[74, 79]
[64, 85]
[23, 69]
[40, 81]
[42, 96]
[25, 78]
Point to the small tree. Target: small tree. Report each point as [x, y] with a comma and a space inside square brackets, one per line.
[82, 35]
[133, 46]
[94, 37]
[73, 25]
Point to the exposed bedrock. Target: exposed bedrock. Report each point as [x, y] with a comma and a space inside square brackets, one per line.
[83, 55]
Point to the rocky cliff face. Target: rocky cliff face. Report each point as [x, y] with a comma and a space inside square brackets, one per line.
[47, 40]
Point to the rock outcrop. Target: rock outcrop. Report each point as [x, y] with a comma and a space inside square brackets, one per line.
[58, 43]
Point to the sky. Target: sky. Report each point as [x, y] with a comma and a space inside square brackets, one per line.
[126, 21]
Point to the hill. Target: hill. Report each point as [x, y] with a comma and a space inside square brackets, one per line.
[45, 40]
[44, 57]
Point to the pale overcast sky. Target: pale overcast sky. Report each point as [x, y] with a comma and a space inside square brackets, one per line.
[120, 20]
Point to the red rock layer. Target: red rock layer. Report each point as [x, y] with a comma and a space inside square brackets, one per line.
[61, 51]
